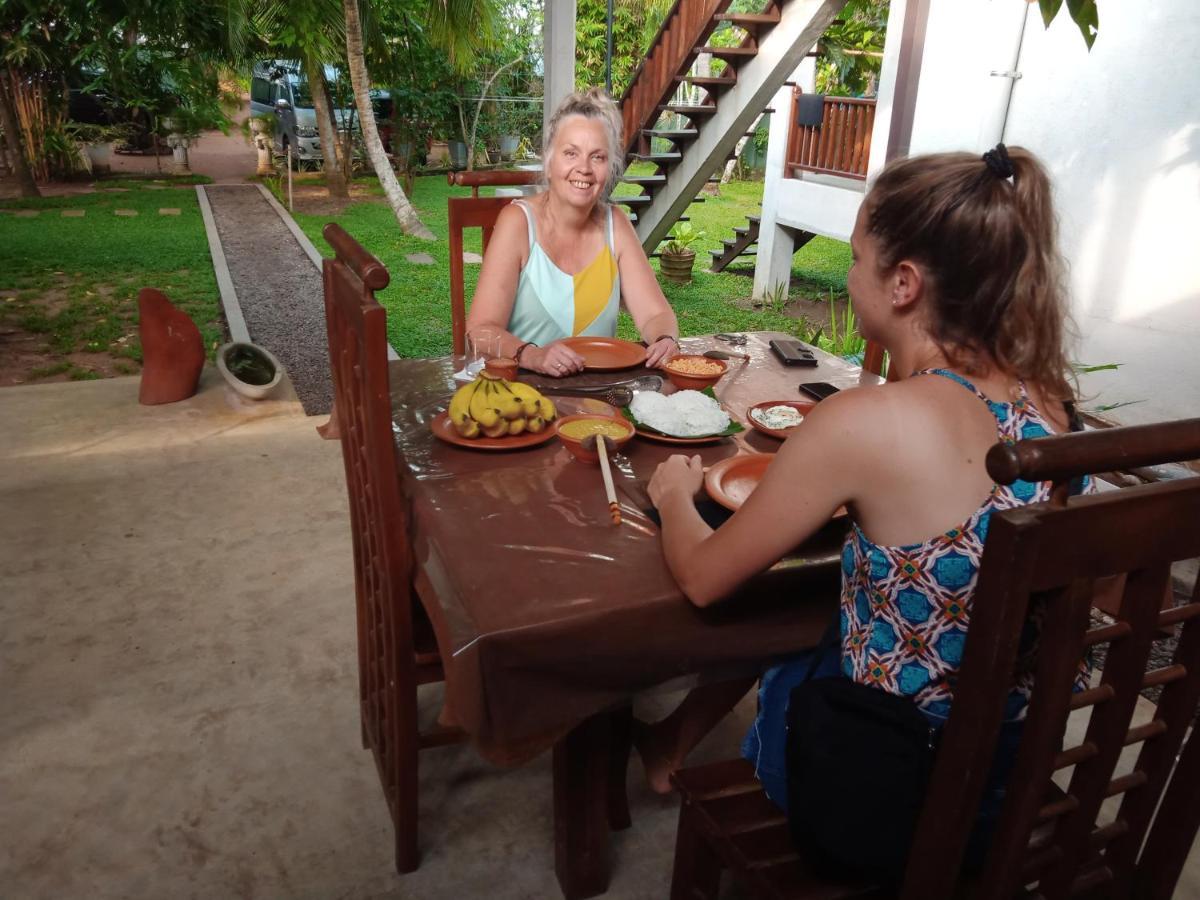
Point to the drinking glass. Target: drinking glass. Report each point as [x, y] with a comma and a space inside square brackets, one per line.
[482, 344]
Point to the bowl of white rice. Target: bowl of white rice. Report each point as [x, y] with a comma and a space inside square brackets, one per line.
[683, 414]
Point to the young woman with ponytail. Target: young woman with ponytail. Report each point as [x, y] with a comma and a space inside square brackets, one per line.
[956, 271]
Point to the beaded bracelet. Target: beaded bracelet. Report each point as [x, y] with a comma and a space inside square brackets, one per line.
[521, 349]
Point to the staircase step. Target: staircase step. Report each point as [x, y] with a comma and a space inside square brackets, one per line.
[635, 200]
[685, 134]
[656, 158]
[717, 254]
[728, 52]
[749, 21]
[643, 180]
[690, 109]
[754, 219]
[713, 81]
[738, 229]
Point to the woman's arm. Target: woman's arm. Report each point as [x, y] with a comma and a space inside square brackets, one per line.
[815, 471]
[492, 306]
[644, 298]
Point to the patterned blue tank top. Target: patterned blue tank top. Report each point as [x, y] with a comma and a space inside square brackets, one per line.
[905, 610]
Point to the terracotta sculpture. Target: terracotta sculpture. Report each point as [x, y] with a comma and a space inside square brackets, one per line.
[172, 350]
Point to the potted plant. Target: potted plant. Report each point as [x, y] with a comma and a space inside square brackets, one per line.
[98, 143]
[260, 131]
[249, 369]
[676, 258]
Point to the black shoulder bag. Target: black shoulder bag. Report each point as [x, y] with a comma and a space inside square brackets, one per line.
[858, 765]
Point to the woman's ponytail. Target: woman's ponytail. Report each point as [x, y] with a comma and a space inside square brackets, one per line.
[984, 230]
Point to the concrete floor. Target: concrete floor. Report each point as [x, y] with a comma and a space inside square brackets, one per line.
[178, 715]
[179, 712]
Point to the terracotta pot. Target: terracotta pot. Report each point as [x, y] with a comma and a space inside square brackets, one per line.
[575, 444]
[677, 267]
[688, 382]
[502, 366]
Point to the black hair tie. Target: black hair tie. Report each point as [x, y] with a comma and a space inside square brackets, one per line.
[998, 162]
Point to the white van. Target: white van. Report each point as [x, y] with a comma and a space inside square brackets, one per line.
[281, 88]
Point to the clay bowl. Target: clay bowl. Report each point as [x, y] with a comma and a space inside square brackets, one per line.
[575, 444]
[688, 382]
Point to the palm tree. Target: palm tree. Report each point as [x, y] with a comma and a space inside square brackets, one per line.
[406, 215]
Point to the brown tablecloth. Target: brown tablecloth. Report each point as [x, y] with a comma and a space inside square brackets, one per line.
[545, 612]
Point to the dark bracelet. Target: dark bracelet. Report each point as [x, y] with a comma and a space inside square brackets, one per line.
[669, 337]
[517, 355]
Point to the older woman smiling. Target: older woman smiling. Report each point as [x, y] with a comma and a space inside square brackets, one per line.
[560, 263]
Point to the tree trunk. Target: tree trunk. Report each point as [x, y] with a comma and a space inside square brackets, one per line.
[406, 216]
[478, 109]
[335, 183]
[12, 136]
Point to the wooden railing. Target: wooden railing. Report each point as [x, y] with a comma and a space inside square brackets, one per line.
[840, 145]
[686, 26]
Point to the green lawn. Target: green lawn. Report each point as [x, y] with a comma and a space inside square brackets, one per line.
[74, 281]
[418, 299]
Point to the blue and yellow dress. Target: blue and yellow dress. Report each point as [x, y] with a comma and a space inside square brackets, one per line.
[551, 305]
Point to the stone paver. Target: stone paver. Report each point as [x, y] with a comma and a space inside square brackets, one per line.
[420, 259]
[26, 213]
[169, 211]
[471, 258]
[125, 212]
[115, 190]
[73, 213]
[155, 187]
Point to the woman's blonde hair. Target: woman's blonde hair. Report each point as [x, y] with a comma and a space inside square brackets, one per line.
[984, 231]
[593, 103]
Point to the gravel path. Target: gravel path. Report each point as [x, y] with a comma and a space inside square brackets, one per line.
[278, 288]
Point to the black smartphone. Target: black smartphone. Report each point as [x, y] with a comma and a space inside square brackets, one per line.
[793, 353]
[818, 390]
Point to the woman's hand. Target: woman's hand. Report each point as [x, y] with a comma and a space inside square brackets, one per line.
[556, 360]
[682, 474]
[661, 351]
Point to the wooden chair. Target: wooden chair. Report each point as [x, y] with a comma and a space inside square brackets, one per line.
[396, 648]
[1056, 839]
[474, 212]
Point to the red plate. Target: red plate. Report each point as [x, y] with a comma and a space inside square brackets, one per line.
[734, 478]
[607, 354]
[804, 407]
[444, 430]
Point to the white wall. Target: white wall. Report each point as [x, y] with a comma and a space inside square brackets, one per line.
[1119, 129]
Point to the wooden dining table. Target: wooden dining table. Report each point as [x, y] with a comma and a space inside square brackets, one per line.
[549, 617]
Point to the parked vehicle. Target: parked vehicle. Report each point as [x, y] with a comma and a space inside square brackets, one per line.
[281, 88]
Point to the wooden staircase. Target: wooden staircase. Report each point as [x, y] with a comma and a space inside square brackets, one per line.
[744, 243]
[772, 43]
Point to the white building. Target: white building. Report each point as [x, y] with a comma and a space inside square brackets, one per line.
[1119, 129]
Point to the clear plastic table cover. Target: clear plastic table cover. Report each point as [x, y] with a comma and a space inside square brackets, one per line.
[545, 612]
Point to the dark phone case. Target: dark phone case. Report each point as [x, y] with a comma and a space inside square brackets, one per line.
[793, 353]
[818, 390]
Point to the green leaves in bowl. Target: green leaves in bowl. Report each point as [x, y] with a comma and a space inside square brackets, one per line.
[733, 428]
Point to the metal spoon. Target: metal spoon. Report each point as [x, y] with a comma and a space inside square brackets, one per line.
[721, 354]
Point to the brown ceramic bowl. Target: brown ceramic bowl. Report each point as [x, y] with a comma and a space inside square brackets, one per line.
[502, 366]
[687, 381]
[574, 443]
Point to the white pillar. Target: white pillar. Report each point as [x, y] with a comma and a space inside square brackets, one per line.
[558, 54]
[773, 265]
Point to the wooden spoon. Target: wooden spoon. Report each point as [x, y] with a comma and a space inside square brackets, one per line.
[722, 354]
[596, 442]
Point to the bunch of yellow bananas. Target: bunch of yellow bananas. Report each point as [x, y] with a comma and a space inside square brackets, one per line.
[491, 407]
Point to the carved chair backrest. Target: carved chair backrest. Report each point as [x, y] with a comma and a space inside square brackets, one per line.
[357, 327]
[473, 212]
[1051, 554]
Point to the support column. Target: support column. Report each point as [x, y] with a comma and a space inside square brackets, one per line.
[773, 265]
[558, 55]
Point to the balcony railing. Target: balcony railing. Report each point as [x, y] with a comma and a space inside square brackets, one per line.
[840, 145]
